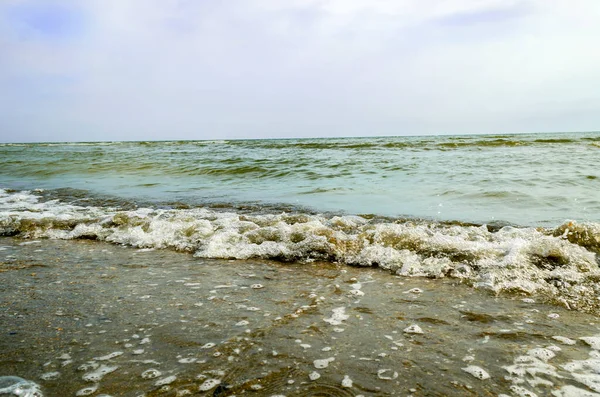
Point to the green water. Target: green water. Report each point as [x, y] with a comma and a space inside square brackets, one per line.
[530, 179]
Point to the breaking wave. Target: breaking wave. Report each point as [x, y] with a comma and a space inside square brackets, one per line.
[560, 264]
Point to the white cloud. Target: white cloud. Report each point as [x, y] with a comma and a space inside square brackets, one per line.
[194, 70]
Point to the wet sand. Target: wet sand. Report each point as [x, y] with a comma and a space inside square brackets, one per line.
[88, 318]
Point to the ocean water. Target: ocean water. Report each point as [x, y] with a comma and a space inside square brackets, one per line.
[528, 180]
[490, 219]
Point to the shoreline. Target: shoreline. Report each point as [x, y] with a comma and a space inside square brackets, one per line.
[77, 310]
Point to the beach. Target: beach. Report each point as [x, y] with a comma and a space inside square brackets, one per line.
[408, 266]
[89, 318]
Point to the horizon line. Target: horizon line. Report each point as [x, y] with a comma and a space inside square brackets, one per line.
[297, 138]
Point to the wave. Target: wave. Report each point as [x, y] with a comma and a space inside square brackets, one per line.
[506, 141]
[360, 143]
[483, 143]
[411, 143]
[560, 264]
[556, 140]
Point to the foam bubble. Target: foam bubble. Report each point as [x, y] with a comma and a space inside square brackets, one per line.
[88, 366]
[151, 373]
[323, 363]
[564, 340]
[592, 341]
[356, 292]
[554, 348]
[346, 382]
[50, 376]
[165, 381]
[522, 392]
[572, 391]
[476, 371]
[542, 354]
[527, 300]
[86, 391]
[13, 385]
[99, 373]
[387, 374]
[209, 384]
[413, 329]
[339, 315]
[590, 380]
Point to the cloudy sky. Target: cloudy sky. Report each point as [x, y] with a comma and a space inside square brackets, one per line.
[200, 69]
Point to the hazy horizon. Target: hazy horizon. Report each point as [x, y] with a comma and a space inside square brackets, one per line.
[109, 70]
[297, 138]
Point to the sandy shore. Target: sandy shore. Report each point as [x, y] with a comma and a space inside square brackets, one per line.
[87, 318]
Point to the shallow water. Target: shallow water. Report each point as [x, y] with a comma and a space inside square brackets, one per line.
[559, 264]
[79, 316]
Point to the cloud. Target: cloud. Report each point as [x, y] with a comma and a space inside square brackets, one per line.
[44, 21]
[175, 69]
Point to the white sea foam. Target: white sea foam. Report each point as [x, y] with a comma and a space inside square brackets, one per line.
[522, 392]
[50, 375]
[542, 354]
[413, 329]
[209, 384]
[564, 340]
[151, 373]
[323, 363]
[165, 381]
[533, 369]
[339, 315]
[15, 386]
[477, 372]
[387, 374]
[592, 341]
[347, 382]
[572, 391]
[559, 262]
[86, 391]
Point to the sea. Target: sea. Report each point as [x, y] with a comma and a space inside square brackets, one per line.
[425, 265]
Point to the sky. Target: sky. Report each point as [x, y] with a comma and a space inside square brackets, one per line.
[104, 70]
